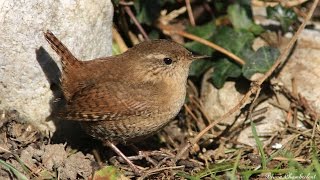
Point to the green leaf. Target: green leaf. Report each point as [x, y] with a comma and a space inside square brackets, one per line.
[107, 172]
[238, 17]
[198, 67]
[239, 43]
[115, 49]
[205, 31]
[285, 16]
[259, 144]
[199, 48]
[147, 11]
[223, 69]
[213, 169]
[233, 175]
[240, 20]
[234, 41]
[18, 174]
[260, 61]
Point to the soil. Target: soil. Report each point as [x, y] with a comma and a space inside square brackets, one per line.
[71, 154]
[35, 155]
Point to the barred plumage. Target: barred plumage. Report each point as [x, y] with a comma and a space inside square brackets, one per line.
[126, 97]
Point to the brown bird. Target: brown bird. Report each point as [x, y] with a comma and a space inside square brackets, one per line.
[128, 97]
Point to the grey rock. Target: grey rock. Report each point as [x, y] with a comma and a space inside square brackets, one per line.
[26, 71]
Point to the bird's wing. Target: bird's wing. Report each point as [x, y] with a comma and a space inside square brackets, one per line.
[104, 102]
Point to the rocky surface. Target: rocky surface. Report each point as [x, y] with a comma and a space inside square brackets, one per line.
[28, 66]
[301, 66]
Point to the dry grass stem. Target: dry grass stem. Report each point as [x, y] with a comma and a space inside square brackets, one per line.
[118, 39]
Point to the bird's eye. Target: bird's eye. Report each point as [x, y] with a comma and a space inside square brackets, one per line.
[167, 61]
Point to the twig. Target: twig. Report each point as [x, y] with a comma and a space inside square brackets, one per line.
[256, 86]
[131, 3]
[168, 30]
[204, 113]
[315, 125]
[253, 102]
[290, 159]
[299, 101]
[5, 150]
[97, 157]
[305, 133]
[295, 110]
[204, 131]
[285, 53]
[153, 171]
[136, 22]
[190, 14]
[272, 4]
[191, 113]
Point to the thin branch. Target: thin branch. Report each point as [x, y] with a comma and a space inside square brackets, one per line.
[135, 21]
[190, 13]
[279, 158]
[256, 85]
[5, 150]
[285, 53]
[204, 131]
[272, 4]
[168, 30]
[212, 45]
[154, 171]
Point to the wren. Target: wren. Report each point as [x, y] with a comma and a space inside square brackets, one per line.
[127, 97]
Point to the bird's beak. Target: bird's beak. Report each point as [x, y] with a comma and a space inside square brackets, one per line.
[195, 57]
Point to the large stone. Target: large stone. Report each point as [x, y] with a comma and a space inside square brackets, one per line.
[303, 66]
[217, 102]
[26, 71]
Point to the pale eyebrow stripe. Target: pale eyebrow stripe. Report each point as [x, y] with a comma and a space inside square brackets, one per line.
[157, 56]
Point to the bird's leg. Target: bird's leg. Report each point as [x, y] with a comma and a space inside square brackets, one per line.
[116, 150]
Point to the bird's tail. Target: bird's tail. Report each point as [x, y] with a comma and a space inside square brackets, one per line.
[67, 57]
[70, 64]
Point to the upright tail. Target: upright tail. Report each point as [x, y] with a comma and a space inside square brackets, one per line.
[70, 64]
[66, 56]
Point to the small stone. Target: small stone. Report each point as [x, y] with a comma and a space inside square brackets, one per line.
[54, 156]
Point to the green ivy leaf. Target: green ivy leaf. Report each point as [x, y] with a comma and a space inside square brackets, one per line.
[199, 48]
[285, 16]
[223, 69]
[240, 20]
[198, 67]
[238, 17]
[234, 41]
[205, 31]
[237, 42]
[147, 11]
[260, 62]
